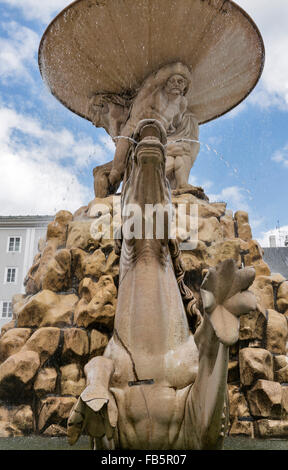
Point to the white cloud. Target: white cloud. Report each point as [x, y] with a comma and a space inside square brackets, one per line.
[279, 234]
[31, 187]
[281, 156]
[235, 196]
[39, 10]
[17, 52]
[25, 134]
[271, 19]
[205, 184]
[39, 166]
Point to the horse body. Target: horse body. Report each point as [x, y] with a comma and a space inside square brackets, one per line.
[158, 386]
[153, 350]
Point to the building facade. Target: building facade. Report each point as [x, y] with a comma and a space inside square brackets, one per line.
[277, 260]
[19, 237]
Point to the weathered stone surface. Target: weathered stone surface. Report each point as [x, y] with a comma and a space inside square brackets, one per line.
[72, 380]
[222, 251]
[281, 369]
[56, 231]
[255, 363]
[54, 430]
[100, 206]
[282, 297]
[54, 410]
[101, 307]
[254, 258]
[277, 278]
[4, 414]
[57, 277]
[194, 261]
[45, 342]
[262, 268]
[22, 418]
[255, 253]
[47, 309]
[205, 209]
[243, 227]
[8, 430]
[41, 244]
[228, 228]
[209, 230]
[241, 428]
[284, 413]
[277, 332]
[16, 420]
[51, 268]
[85, 264]
[45, 382]
[79, 236]
[238, 407]
[33, 279]
[268, 428]
[7, 327]
[75, 344]
[112, 264]
[16, 372]
[63, 217]
[263, 289]
[265, 399]
[245, 232]
[220, 206]
[58, 228]
[12, 341]
[233, 371]
[252, 326]
[18, 301]
[80, 214]
[98, 342]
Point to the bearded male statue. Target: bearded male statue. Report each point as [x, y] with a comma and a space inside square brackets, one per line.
[162, 96]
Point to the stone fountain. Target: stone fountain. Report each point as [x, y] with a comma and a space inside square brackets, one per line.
[130, 340]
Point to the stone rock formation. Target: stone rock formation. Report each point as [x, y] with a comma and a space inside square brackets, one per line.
[66, 318]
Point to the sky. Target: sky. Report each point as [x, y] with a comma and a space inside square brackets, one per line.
[47, 153]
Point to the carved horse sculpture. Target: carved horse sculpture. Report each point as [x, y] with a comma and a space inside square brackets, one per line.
[158, 386]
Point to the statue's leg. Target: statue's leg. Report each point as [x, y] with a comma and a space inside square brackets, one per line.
[170, 171]
[183, 165]
[119, 161]
[96, 409]
[206, 406]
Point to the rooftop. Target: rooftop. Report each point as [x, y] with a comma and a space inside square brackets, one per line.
[25, 220]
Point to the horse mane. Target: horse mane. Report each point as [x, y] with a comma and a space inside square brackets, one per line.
[189, 300]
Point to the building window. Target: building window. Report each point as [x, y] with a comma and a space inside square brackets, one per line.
[6, 311]
[10, 276]
[14, 244]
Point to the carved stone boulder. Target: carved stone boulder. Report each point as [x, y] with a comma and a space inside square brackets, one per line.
[12, 341]
[265, 399]
[45, 382]
[255, 363]
[277, 332]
